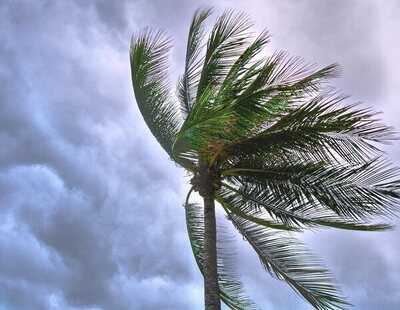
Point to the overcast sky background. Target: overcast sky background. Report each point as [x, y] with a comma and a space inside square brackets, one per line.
[91, 210]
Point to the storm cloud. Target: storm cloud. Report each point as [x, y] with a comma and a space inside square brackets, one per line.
[91, 207]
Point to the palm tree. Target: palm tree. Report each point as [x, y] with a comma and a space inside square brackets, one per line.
[267, 139]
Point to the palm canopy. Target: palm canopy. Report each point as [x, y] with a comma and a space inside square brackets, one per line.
[284, 152]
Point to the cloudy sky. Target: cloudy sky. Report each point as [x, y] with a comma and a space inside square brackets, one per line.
[91, 210]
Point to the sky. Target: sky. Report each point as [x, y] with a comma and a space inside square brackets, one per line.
[91, 212]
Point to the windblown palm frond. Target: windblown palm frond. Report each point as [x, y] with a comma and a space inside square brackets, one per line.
[148, 57]
[272, 212]
[187, 87]
[285, 258]
[227, 41]
[319, 127]
[277, 148]
[352, 193]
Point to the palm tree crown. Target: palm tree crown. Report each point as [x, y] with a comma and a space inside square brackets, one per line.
[266, 138]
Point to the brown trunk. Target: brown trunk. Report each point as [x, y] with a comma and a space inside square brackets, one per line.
[211, 292]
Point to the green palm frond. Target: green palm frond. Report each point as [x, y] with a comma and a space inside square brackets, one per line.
[352, 193]
[274, 91]
[262, 209]
[321, 126]
[231, 289]
[227, 41]
[188, 82]
[286, 259]
[266, 91]
[244, 70]
[255, 216]
[148, 57]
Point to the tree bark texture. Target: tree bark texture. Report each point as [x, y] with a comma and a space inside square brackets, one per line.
[211, 292]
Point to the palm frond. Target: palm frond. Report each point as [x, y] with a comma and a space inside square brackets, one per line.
[227, 41]
[244, 70]
[231, 289]
[262, 93]
[148, 57]
[286, 259]
[253, 216]
[257, 206]
[322, 127]
[275, 87]
[188, 82]
[351, 192]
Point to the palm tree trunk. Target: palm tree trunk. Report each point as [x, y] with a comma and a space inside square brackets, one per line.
[211, 292]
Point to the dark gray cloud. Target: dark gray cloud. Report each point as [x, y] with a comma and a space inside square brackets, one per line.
[90, 206]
